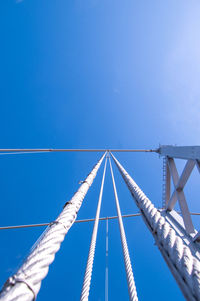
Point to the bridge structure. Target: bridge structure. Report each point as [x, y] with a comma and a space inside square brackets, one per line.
[173, 230]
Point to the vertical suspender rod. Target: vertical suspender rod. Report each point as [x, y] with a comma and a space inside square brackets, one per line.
[106, 272]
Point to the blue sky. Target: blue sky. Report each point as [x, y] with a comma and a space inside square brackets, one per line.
[88, 74]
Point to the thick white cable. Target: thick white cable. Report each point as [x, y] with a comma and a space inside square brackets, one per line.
[177, 254]
[129, 273]
[88, 271]
[25, 284]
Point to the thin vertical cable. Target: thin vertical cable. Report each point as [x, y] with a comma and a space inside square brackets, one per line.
[25, 284]
[129, 273]
[88, 271]
[106, 272]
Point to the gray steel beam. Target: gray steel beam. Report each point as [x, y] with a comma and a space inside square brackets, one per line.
[168, 185]
[180, 152]
[198, 165]
[185, 174]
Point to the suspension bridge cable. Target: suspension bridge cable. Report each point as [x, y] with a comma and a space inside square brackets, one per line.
[25, 284]
[184, 266]
[89, 267]
[106, 271]
[129, 273]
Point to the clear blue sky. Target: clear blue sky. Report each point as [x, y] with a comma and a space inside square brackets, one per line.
[79, 74]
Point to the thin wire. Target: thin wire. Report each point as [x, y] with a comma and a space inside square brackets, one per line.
[108, 217]
[23, 226]
[77, 221]
[22, 153]
[106, 271]
[27, 150]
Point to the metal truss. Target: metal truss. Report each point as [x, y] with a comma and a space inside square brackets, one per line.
[192, 156]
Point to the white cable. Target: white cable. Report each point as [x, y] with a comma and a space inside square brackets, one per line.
[88, 271]
[106, 271]
[129, 273]
[178, 254]
[25, 284]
